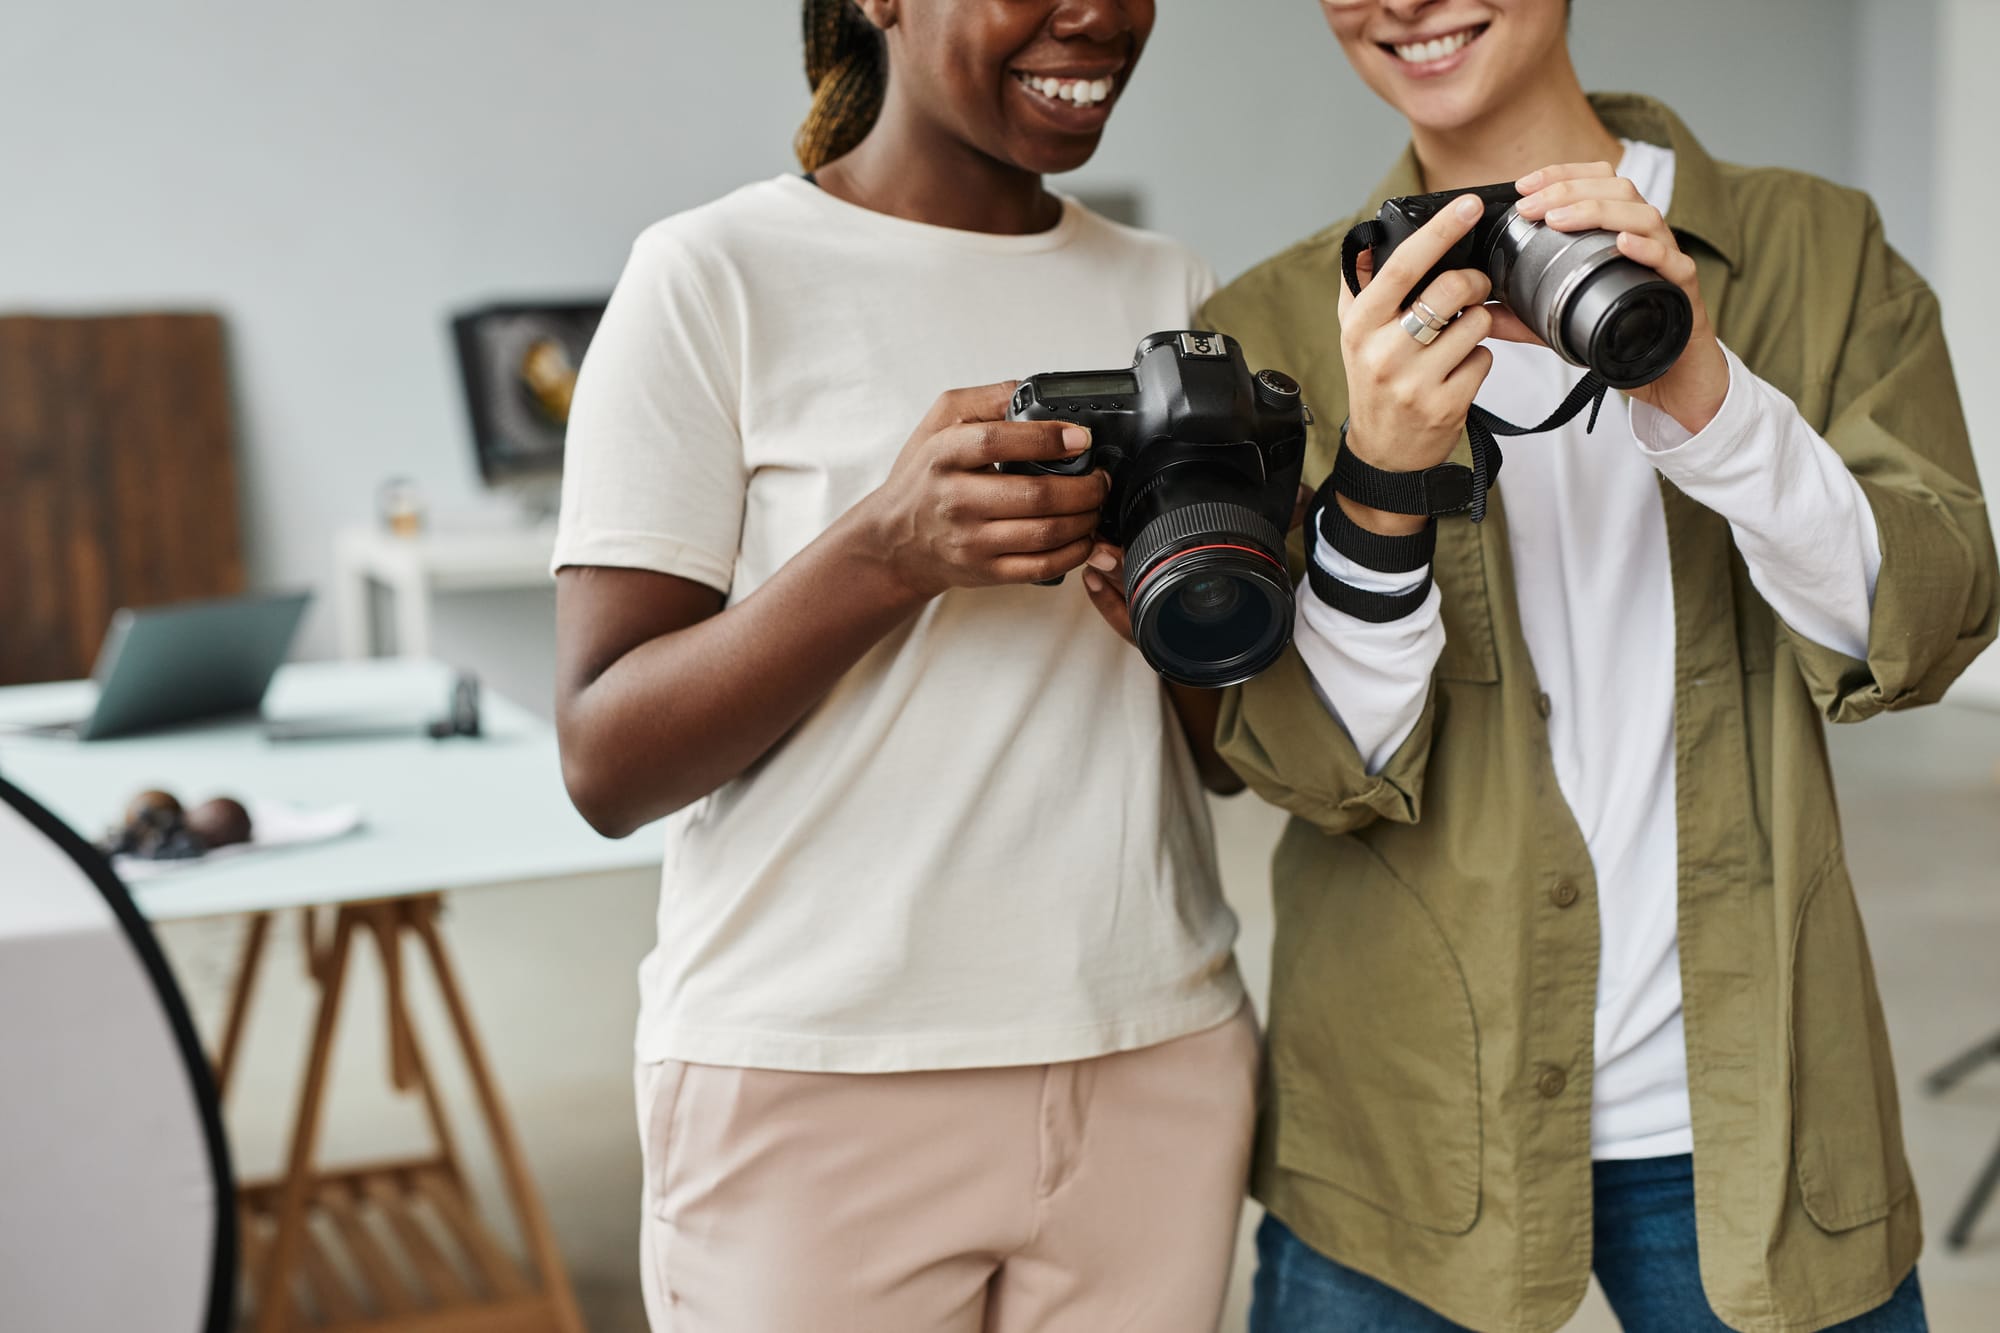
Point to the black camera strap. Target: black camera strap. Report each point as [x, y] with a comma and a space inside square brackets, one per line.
[1453, 488]
[1386, 555]
[1481, 426]
[1361, 236]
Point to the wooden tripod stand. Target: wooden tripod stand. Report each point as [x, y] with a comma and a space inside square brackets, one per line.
[393, 1246]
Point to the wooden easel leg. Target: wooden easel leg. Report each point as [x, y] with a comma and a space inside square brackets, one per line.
[274, 1291]
[535, 1228]
[408, 1069]
[240, 992]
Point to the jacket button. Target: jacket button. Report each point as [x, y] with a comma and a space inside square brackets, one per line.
[1551, 1083]
[1563, 894]
[1543, 705]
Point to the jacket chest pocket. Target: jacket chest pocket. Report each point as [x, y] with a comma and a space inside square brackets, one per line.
[1461, 570]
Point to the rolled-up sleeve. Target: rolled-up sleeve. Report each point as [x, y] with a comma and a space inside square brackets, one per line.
[1895, 420]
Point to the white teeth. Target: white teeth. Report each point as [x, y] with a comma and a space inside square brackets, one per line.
[1418, 53]
[1078, 92]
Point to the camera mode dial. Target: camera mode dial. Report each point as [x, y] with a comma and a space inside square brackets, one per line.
[1277, 389]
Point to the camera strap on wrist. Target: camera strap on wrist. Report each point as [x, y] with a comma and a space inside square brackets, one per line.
[1372, 550]
[1453, 488]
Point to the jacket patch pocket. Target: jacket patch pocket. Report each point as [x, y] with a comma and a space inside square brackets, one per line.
[1374, 1061]
[1847, 1128]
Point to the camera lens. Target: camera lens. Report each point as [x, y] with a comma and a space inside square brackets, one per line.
[1627, 323]
[1210, 621]
[1209, 601]
[1206, 583]
[1595, 307]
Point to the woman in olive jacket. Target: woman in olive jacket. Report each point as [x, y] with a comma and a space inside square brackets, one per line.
[1568, 971]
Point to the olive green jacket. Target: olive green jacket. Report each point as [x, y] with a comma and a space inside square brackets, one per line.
[1435, 970]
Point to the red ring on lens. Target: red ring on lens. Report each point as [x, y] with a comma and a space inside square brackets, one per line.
[1217, 546]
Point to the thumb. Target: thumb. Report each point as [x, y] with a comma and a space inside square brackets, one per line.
[1106, 594]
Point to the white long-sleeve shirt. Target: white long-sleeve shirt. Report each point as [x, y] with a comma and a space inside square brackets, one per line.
[1587, 534]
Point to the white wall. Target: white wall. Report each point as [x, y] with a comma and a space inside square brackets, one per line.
[1895, 122]
[334, 178]
[1967, 185]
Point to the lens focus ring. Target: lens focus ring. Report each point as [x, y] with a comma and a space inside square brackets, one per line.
[1222, 523]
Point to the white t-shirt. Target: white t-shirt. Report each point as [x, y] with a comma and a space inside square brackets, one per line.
[988, 845]
[1588, 539]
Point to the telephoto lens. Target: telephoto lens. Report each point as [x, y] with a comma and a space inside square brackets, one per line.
[1588, 302]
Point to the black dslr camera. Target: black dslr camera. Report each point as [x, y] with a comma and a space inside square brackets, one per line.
[1583, 298]
[1204, 462]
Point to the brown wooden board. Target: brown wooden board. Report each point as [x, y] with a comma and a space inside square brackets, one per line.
[117, 479]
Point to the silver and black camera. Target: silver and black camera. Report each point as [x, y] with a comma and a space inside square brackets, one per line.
[1583, 298]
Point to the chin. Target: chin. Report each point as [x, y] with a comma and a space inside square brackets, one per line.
[1444, 111]
[1053, 157]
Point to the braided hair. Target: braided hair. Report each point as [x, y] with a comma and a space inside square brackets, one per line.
[847, 65]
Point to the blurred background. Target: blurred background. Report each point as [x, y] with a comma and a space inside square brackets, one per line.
[336, 181]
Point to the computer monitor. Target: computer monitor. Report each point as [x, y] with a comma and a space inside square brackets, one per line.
[518, 361]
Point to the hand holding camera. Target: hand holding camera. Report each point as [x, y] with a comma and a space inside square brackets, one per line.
[1407, 396]
[946, 519]
[1591, 196]
[1564, 268]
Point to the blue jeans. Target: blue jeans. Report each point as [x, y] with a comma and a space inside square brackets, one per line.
[1644, 1258]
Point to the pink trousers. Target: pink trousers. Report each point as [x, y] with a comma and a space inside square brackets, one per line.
[1084, 1197]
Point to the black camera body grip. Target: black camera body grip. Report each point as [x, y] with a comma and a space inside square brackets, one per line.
[1400, 219]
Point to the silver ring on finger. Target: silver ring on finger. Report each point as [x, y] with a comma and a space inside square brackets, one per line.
[1414, 325]
[1429, 316]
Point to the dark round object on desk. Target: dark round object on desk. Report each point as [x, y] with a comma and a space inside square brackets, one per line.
[152, 808]
[220, 822]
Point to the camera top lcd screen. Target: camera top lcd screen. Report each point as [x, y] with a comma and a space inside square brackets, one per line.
[1088, 386]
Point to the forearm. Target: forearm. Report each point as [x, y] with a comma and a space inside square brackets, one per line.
[678, 716]
[1799, 518]
[1372, 676]
[1198, 711]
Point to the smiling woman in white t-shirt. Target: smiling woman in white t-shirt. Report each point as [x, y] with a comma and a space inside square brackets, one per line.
[943, 1029]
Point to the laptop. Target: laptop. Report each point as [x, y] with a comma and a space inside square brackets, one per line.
[186, 662]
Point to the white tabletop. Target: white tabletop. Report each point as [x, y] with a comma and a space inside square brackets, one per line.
[439, 815]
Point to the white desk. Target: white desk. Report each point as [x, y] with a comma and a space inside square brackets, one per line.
[440, 815]
[412, 569]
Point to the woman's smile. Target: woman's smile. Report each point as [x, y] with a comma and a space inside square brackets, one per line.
[1076, 101]
[1429, 57]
